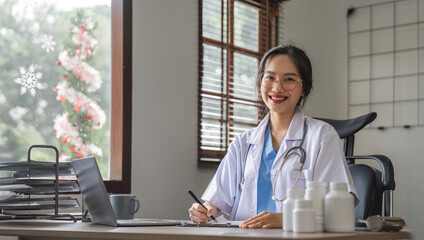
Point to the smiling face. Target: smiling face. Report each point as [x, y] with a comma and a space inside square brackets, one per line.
[277, 99]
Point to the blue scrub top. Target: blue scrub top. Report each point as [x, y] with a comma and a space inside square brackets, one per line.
[265, 202]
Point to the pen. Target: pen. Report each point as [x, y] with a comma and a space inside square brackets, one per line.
[199, 202]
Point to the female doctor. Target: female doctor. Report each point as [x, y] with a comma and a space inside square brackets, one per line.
[283, 152]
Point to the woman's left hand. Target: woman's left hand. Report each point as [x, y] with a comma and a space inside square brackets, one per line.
[264, 220]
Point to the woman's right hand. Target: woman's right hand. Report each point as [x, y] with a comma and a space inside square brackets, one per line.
[199, 214]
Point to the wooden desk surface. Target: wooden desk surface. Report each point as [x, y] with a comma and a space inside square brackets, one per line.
[67, 229]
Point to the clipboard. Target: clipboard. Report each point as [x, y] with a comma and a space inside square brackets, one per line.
[209, 224]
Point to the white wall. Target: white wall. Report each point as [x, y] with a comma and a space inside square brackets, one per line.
[164, 149]
[320, 28]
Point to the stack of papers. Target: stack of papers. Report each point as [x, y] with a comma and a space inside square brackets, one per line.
[31, 186]
[221, 222]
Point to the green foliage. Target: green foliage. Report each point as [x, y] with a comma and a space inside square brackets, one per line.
[21, 29]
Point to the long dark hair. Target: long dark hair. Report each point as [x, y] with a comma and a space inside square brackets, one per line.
[302, 63]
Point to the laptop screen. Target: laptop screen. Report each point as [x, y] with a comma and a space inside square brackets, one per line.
[94, 191]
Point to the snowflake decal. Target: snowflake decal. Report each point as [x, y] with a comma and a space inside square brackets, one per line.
[29, 79]
[47, 43]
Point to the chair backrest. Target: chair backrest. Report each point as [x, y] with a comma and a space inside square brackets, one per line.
[370, 183]
[347, 129]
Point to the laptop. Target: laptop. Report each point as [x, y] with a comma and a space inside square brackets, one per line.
[97, 200]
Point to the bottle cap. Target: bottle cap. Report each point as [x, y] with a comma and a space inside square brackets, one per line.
[316, 184]
[296, 193]
[301, 203]
[338, 186]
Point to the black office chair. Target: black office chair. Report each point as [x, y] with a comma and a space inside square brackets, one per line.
[371, 184]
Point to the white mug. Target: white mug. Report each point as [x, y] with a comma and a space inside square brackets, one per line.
[124, 205]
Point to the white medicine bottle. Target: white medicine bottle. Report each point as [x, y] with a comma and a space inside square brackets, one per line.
[303, 217]
[316, 191]
[288, 207]
[339, 209]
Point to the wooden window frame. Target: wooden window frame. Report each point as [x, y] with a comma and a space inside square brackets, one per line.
[267, 39]
[121, 115]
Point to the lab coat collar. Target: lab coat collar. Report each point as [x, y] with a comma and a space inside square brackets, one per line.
[257, 136]
[294, 133]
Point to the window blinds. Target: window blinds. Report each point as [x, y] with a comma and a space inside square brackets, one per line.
[233, 36]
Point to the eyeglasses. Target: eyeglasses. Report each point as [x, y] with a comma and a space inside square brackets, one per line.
[287, 82]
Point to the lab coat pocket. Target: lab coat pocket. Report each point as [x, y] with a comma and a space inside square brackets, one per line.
[304, 176]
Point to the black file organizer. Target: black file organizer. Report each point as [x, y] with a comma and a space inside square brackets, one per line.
[13, 205]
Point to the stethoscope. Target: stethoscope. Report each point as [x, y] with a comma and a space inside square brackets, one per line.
[289, 153]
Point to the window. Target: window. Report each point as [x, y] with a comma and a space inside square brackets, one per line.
[120, 137]
[234, 34]
[63, 67]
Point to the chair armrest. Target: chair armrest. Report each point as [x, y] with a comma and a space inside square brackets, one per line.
[386, 166]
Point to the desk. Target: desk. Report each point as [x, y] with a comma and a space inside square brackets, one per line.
[66, 229]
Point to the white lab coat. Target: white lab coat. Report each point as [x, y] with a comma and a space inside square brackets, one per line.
[324, 162]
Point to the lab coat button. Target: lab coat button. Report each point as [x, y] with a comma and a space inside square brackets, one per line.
[273, 171]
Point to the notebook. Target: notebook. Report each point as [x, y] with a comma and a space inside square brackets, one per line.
[97, 200]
